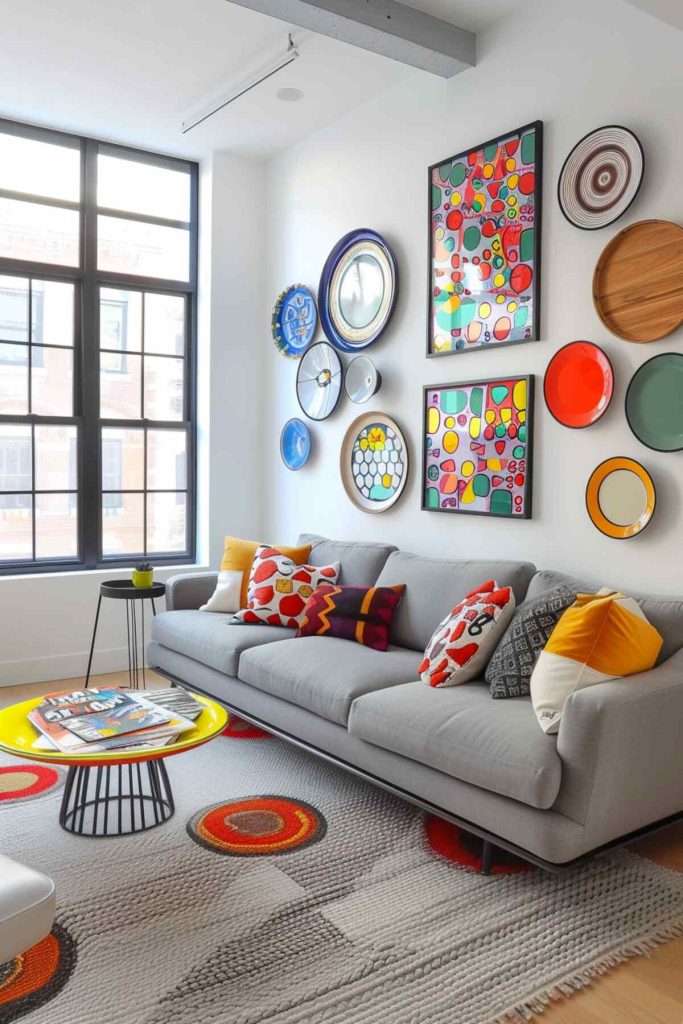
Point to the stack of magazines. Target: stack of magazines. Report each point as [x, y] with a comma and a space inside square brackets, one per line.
[95, 720]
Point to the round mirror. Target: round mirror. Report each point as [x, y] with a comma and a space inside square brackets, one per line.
[361, 291]
[357, 291]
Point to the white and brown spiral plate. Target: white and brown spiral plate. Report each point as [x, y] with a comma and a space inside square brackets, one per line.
[601, 177]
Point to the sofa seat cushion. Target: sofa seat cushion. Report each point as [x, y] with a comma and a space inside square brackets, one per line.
[459, 730]
[211, 637]
[325, 674]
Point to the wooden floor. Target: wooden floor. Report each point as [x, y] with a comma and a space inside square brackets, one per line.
[646, 990]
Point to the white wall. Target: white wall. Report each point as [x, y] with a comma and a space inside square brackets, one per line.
[46, 621]
[575, 66]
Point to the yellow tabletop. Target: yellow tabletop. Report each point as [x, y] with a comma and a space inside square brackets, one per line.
[17, 736]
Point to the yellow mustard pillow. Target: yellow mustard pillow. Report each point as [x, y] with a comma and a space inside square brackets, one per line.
[238, 556]
[601, 636]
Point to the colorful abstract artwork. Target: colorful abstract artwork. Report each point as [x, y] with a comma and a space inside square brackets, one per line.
[478, 447]
[484, 259]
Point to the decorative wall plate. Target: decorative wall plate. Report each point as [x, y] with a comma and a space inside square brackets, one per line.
[578, 384]
[374, 462]
[654, 402]
[362, 379]
[358, 288]
[295, 444]
[319, 381]
[600, 177]
[620, 498]
[638, 281]
[294, 321]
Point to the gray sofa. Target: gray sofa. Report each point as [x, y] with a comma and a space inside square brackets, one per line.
[614, 770]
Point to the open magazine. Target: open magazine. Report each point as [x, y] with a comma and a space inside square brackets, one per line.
[97, 720]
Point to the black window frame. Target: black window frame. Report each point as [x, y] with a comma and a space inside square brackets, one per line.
[88, 280]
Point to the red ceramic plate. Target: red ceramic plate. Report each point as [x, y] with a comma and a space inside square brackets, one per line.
[578, 384]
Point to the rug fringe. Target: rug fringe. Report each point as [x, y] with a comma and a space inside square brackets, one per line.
[567, 986]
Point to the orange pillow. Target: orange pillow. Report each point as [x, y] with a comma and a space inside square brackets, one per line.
[238, 556]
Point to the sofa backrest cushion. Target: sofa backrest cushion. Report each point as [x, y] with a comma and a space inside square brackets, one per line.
[361, 561]
[664, 613]
[435, 585]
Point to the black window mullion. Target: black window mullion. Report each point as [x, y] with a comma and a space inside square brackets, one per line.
[33, 491]
[90, 391]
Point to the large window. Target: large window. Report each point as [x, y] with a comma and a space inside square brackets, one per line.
[98, 272]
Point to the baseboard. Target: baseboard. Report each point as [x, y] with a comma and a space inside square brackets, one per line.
[61, 666]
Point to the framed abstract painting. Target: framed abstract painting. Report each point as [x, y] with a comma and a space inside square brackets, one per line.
[485, 244]
[478, 440]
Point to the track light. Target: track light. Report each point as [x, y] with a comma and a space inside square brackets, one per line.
[271, 69]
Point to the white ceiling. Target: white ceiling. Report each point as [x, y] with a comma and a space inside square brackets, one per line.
[133, 70]
[670, 11]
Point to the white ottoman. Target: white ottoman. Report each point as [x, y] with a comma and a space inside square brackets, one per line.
[27, 908]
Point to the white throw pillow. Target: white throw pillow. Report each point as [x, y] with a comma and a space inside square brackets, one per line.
[465, 640]
[226, 596]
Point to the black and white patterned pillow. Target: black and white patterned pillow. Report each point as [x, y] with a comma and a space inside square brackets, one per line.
[508, 673]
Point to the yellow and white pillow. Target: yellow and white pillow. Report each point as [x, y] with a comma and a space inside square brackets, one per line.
[601, 636]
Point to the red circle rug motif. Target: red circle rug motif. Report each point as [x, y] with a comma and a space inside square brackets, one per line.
[463, 848]
[24, 781]
[257, 826]
[36, 976]
[238, 729]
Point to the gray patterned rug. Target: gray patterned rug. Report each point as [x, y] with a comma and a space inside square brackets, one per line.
[285, 891]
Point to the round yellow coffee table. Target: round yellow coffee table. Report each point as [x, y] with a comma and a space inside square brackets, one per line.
[112, 793]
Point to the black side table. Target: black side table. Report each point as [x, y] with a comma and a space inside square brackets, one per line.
[123, 590]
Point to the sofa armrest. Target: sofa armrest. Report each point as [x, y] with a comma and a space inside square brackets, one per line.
[189, 589]
[621, 746]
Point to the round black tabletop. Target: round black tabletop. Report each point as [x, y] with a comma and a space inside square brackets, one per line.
[123, 590]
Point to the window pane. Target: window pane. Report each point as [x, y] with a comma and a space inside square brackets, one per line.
[13, 380]
[29, 231]
[13, 308]
[120, 319]
[130, 247]
[41, 168]
[166, 459]
[52, 315]
[120, 396]
[56, 526]
[163, 388]
[166, 519]
[56, 458]
[142, 188]
[123, 455]
[16, 539]
[52, 381]
[165, 324]
[15, 457]
[122, 525]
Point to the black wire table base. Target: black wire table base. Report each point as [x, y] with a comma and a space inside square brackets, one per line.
[116, 800]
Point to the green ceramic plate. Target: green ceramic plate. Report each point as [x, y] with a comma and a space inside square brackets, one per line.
[654, 403]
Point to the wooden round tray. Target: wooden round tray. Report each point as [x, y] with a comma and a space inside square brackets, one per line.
[638, 281]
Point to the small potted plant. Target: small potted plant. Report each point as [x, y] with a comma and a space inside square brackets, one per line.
[142, 576]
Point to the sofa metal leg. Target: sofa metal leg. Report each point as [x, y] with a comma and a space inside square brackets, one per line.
[486, 856]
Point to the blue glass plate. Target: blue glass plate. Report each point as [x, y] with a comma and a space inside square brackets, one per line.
[294, 321]
[295, 444]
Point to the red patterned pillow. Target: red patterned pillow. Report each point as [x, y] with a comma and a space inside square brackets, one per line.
[463, 643]
[362, 614]
[279, 588]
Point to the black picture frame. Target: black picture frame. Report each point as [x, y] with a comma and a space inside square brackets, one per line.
[537, 127]
[528, 483]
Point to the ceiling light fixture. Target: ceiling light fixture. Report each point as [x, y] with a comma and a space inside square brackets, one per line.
[288, 95]
[288, 57]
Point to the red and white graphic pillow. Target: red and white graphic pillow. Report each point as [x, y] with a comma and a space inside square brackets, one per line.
[463, 643]
[279, 588]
